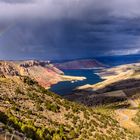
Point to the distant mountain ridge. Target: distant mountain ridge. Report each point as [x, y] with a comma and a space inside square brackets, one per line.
[80, 64]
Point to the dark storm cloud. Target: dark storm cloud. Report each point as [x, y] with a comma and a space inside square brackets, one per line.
[64, 29]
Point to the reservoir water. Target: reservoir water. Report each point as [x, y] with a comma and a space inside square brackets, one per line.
[67, 87]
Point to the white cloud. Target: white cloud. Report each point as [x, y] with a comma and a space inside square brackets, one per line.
[68, 8]
[125, 8]
[129, 51]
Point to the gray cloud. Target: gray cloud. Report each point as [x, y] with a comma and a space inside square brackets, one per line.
[68, 8]
[16, 1]
[68, 28]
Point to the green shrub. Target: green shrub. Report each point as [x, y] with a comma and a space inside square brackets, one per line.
[3, 117]
[72, 134]
[56, 137]
[30, 131]
[52, 107]
[29, 81]
[18, 91]
[38, 107]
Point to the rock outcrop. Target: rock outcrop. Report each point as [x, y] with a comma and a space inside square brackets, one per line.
[42, 71]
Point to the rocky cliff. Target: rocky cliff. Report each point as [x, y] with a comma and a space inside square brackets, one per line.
[41, 71]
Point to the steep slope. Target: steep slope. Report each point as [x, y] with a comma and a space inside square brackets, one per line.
[42, 71]
[80, 64]
[41, 115]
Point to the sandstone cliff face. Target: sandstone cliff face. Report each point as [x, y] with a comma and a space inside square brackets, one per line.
[42, 71]
[7, 68]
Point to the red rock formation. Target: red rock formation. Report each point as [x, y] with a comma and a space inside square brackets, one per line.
[41, 71]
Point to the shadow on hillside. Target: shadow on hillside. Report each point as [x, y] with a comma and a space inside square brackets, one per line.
[121, 85]
[130, 87]
[103, 100]
[97, 100]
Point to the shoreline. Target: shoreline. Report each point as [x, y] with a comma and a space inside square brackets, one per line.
[68, 78]
[73, 78]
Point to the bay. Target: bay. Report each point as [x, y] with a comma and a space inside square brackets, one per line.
[67, 87]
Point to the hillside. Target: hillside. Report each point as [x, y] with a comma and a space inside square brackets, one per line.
[80, 64]
[119, 92]
[29, 111]
[41, 71]
[117, 78]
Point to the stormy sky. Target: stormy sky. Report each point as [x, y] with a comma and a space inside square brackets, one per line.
[68, 29]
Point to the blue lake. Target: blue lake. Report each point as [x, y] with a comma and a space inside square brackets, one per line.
[67, 87]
